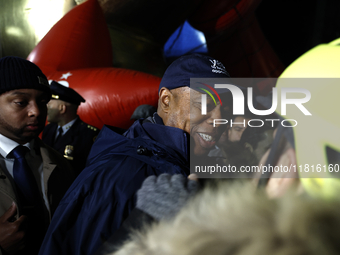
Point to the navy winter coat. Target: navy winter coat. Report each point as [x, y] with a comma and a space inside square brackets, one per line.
[103, 195]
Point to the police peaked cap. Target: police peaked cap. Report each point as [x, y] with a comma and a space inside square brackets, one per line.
[66, 94]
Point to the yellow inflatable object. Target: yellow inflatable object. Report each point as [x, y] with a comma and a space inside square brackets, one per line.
[320, 70]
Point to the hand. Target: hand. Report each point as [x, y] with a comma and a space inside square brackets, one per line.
[162, 197]
[11, 233]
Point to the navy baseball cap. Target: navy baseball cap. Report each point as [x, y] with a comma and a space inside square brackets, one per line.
[195, 65]
[66, 94]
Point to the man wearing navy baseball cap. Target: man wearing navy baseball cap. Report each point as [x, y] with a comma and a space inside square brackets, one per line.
[66, 132]
[179, 103]
[104, 193]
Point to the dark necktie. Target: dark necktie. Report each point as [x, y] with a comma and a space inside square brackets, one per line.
[32, 204]
[23, 176]
[60, 132]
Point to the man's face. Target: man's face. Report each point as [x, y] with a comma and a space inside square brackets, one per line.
[53, 111]
[204, 134]
[236, 130]
[23, 114]
[185, 113]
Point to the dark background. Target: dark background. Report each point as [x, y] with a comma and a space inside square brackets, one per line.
[295, 26]
[291, 26]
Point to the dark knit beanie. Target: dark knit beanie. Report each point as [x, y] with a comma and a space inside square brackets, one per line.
[19, 73]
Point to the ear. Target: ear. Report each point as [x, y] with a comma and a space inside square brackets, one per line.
[165, 96]
[62, 108]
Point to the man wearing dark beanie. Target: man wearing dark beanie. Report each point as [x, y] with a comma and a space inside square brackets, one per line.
[104, 194]
[33, 177]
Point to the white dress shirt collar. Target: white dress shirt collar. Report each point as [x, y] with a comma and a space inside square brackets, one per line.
[67, 126]
[7, 145]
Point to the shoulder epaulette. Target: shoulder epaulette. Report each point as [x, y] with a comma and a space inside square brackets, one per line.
[91, 127]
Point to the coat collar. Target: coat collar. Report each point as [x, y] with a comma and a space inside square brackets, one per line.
[173, 140]
[155, 130]
[49, 161]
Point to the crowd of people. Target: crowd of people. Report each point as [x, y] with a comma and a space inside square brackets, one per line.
[85, 191]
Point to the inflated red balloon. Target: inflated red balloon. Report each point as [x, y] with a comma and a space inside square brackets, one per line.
[80, 39]
[77, 52]
[111, 94]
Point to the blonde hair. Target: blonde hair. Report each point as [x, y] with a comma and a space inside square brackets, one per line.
[236, 220]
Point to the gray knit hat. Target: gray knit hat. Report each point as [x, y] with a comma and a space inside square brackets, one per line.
[19, 73]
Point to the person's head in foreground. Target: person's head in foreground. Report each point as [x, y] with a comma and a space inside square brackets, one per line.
[230, 220]
[24, 93]
[180, 106]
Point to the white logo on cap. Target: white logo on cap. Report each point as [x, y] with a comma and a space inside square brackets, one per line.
[217, 67]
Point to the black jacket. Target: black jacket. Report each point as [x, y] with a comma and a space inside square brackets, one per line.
[80, 135]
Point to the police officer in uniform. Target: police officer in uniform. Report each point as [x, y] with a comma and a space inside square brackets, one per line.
[66, 132]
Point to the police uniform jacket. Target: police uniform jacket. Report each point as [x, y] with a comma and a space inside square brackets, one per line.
[58, 176]
[104, 193]
[80, 135]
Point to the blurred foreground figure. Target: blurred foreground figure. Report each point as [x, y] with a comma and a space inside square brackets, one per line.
[236, 220]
